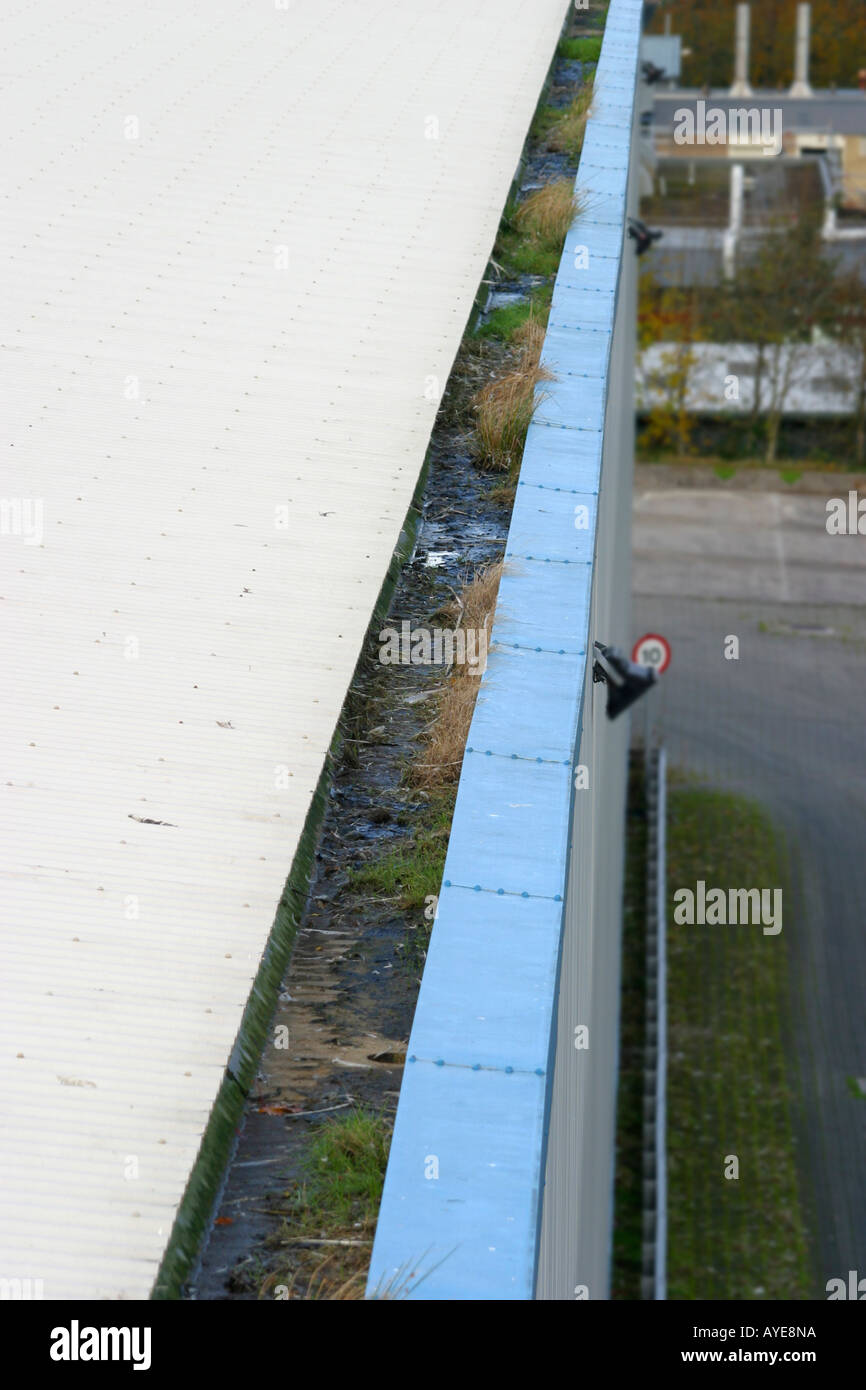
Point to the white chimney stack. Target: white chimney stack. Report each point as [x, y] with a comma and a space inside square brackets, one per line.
[740, 87]
[735, 222]
[800, 87]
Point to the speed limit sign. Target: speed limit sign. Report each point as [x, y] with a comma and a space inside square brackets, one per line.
[652, 650]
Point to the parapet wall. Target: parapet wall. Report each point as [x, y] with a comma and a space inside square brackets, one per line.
[499, 1183]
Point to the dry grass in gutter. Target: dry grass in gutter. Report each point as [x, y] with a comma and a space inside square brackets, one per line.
[546, 215]
[504, 409]
[330, 1216]
[529, 337]
[441, 758]
[566, 134]
[321, 1282]
[505, 406]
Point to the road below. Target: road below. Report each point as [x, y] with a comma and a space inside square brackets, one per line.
[784, 724]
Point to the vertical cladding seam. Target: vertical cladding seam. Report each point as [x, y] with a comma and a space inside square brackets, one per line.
[661, 1210]
[498, 1213]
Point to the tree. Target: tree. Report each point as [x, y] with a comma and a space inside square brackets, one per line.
[778, 297]
[668, 315]
[848, 329]
[707, 28]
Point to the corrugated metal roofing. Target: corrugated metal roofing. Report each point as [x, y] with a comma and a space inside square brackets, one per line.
[240, 245]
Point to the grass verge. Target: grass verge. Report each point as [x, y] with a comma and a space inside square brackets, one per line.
[728, 1086]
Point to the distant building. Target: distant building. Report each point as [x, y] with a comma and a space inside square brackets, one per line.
[823, 379]
[831, 124]
[752, 159]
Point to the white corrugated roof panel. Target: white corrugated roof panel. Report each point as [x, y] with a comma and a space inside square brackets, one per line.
[238, 241]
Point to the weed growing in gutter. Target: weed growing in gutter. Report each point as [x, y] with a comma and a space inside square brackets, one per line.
[504, 323]
[441, 758]
[504, 409]
[410, 873]
[546, 215]
[331, 1214]
[584, 50]
[533, 231]
[346, 1170]
[562, 128]
[567, 133]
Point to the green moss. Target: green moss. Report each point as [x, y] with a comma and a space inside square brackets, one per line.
[546, 117]
[586, 50]
[344, 1172]
[504, 323]
[412, 871]
[525, 255]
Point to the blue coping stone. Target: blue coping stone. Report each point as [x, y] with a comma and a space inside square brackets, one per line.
[578, 402]
[526, 707]
[489, 981]
[510, 826]
[471, 1233]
